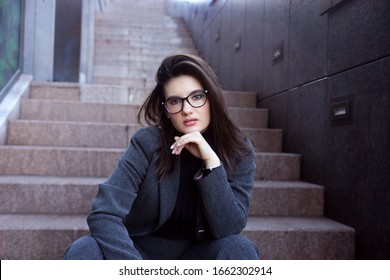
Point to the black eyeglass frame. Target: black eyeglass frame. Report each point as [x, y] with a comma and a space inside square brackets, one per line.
[185, 98]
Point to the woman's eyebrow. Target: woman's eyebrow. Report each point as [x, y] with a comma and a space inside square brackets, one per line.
[176, 96]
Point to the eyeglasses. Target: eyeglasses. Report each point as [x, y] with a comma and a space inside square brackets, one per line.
[196, 99]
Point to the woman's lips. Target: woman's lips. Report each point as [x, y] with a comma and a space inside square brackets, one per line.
[190, 122]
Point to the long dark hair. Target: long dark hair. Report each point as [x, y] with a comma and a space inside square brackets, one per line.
[227, 139]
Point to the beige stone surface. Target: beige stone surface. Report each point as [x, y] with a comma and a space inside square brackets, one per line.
[298, 238]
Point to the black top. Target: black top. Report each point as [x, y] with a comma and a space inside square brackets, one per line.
[182, 223]
[188, 214]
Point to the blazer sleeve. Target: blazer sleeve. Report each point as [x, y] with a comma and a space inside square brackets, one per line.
[226, 202]
[116, 196]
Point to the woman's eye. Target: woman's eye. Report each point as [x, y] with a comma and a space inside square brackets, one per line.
[174, 101]
[197, 96]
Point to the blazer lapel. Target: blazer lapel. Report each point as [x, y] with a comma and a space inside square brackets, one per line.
[168, 188]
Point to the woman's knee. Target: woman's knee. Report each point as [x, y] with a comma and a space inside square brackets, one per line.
[234, 247]
[84, 248]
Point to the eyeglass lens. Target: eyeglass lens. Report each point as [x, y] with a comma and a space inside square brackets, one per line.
[196, 99]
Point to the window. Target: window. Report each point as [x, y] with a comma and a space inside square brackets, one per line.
[10, 43]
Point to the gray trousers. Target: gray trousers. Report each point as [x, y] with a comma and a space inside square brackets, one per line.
[234, 247]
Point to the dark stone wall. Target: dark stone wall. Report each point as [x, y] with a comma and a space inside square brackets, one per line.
[343, 53]
[67, 41]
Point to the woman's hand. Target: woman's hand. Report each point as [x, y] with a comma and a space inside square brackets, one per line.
[198, 147]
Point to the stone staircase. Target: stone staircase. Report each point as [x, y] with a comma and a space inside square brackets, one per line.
[132, 38]
[69, 137]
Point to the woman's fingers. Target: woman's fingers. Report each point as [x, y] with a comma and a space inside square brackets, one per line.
[197, 146]
[191, 141]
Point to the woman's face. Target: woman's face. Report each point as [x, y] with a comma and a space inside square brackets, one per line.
[189, 119]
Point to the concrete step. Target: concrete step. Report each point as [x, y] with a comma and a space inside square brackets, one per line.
[124, 60]
[100, 162]
[69, 134]
[135, 6]
[58, 110]
[164, 48]
[120, 94]
[38, 236]
[127, 82]
[157, 22]
[146, 6]
[105, 135]
[47, 110]
[248, 117]
[126, 18]
[107, 29]
[124, 66]
[265, 140]
[124, 71]
[130, 57]
[58, 161]
[240, 99]
[155, 58]
[139, 33]
[286, 198]
[277, 166]
[92, 93]
[74, 195]
[136, 40]
[55, 91]
[133, 15]
[147, 83]
[301, 238]
[47, 195]
[139, 20]
[131, 65]
[142, 50]
[285, 238]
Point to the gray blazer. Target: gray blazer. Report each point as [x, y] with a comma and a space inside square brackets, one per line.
[132, 202]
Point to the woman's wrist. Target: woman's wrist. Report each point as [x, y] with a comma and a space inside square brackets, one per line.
[211, 164]
[208, 169]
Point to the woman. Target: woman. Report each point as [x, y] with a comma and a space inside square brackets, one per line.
[181, 189]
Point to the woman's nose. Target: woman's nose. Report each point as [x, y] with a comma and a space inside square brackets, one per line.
[187, 108]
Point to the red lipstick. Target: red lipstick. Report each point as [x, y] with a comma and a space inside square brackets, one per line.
[190, 122]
